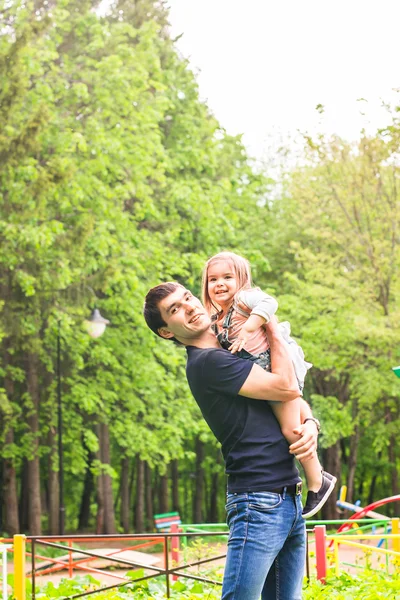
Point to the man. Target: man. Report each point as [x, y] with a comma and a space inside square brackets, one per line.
[266, 546]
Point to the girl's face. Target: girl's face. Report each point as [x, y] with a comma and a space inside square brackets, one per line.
[221, 283]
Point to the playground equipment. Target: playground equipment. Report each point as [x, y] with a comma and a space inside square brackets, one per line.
[164, 521]
[396, 371]
[321, 548]
[359, 512]
[358, 526]
[341, 502]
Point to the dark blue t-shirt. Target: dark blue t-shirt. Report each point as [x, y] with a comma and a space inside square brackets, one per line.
[256, 453]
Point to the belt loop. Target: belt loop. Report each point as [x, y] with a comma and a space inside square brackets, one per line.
[284, 492]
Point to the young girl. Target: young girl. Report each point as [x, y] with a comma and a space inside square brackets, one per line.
[239, 312]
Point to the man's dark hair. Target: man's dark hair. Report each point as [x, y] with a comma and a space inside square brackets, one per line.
[151, 311]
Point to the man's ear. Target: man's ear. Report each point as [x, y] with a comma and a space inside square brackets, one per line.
[165, 333]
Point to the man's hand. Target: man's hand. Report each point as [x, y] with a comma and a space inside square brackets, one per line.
[272, 326]
[306, 447]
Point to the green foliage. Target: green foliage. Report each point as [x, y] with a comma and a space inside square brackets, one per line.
[367, 585]
[113, 176]
[151, 589]
[337, 419]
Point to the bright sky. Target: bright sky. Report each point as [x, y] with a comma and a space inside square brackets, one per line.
[264, 65]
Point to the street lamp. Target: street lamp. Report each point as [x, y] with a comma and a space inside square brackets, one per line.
[396, 371]
[95, 326]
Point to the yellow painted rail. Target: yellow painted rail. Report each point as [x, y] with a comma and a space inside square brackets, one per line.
[19, 567]
[348, 540]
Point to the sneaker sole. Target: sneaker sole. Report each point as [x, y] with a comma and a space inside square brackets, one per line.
[323, 499]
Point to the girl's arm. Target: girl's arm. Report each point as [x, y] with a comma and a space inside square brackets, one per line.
[256, 302]
[281, 383]
[260, 307]
[253, 323]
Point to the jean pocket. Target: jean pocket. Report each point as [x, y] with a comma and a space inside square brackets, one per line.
[231, 512]
[265, 502]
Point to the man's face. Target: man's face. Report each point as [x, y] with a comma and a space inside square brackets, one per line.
[184, 315]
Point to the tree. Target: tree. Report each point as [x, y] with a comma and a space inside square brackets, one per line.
[336, 247]
[113, 176]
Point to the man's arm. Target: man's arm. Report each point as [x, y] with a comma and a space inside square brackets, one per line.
[281, 384]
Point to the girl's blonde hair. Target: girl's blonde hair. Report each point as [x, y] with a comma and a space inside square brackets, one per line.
[241, 268]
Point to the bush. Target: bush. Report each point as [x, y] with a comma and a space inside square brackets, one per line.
[367, 585]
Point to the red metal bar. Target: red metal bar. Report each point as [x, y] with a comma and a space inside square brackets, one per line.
[59, 565]
[175, 549]
[166, 566]
[70, 561]
[320, 551]
[79, 561]
[83, 568]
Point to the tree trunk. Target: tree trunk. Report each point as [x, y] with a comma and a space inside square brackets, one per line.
[1, 488]
[394, 487]
[100, 504]
[34, 506]
[371, 493]
[53, 488]
[148, 484]
[10, 497]
[23, 506]
[394, 474]
[139, 496]
[10, 494]
[125, 495]
[156, 492]
[332, 465]
[88, 487]
[163, 495]
[352, 464]
[175, 486]
[105, 514]
[213, 512]
[199, 483]
[187, 503]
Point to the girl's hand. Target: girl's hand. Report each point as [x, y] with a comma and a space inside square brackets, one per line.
[306, 447]
[240, 341]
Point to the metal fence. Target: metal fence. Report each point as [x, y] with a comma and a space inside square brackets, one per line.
[360, 535]
[169, 542]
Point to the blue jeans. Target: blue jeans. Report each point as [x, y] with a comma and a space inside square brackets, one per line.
[266, 547]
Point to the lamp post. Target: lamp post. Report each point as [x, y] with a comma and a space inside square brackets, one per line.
[95, 326]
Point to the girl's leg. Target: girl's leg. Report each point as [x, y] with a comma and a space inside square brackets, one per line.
[288, 416]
